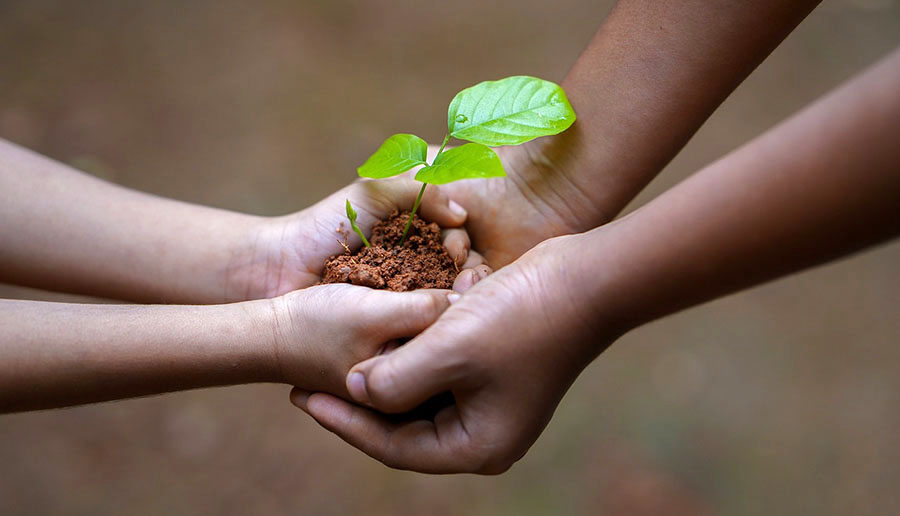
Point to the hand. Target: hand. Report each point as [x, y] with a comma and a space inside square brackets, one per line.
[283, 254]
[322, 331]
[508, 350]
[538, 199]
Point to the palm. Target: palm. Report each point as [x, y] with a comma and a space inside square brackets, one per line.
[288, 253]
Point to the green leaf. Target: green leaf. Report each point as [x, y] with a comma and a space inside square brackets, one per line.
[351, 213]
[509, 111]
[396, 155]
[470, 161]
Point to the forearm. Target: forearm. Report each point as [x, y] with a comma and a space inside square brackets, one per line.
[57, 354]
[66, 231]
[653, 73]
[823, 184]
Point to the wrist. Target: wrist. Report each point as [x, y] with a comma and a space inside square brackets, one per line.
[264, 323]
[563, 277]
[249, 267]
[192, 248]
[549, 173]
[619, 267]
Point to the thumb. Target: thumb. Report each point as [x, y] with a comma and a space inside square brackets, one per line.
[404, 379]
[437, 207]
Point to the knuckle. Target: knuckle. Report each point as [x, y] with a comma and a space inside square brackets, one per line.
[496, 464]
[437, 195]
[428, 307]
[381, 384]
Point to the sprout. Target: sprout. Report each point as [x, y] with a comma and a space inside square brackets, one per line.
[510, 111]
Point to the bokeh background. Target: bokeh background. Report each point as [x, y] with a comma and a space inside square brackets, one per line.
[781, 400]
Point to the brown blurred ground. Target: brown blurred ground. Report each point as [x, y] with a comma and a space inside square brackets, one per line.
[781, 400]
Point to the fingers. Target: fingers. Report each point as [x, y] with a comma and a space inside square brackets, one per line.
[469, 277]
[405, 314]
[437, 207]
[457, 243]
[417, 445]
[299, 397]
[474, 259]
[407, 377]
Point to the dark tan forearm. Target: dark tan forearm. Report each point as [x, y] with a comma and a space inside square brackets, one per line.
[823, 184]
[653, 73]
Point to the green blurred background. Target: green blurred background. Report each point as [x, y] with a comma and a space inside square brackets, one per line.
[780, 400]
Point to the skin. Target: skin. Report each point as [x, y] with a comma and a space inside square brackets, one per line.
[625, 83]
[88, 236]
[823, 184]
[59, 354]
[653, 73]
[149, 249]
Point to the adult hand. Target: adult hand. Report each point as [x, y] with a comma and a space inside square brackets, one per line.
[508, 350]
[640, 93]
[537, 200]
[512, 345]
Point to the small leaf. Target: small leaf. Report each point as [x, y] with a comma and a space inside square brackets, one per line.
[396, 155]
[470, 161]
[351, 213]
[509, 111]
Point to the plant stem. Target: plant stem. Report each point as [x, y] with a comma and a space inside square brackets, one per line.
[413, 213]
[444, 144]
[421, 192]
[360, 233]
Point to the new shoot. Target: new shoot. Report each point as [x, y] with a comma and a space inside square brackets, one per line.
[510, 111]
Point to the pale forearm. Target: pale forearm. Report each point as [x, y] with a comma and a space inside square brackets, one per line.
[57, 354]
[66, 231]
[823, 184]
[654, 72]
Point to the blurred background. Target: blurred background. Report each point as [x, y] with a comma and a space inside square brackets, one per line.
[780, 400]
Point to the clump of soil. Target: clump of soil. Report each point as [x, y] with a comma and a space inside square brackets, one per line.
[422, 261]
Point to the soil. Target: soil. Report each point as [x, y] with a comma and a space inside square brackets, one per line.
[422, 261]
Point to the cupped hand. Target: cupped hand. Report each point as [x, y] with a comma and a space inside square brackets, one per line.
[320, 332]
[538, 199]
[287, 253]
[507, 350]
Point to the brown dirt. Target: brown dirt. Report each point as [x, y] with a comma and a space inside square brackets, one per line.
[422, 261]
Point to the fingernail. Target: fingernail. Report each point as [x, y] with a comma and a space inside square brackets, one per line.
[298, 398]
[457, 209]
[356, 384]
[453, 297]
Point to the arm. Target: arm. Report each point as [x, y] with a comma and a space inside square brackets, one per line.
[823, 184]
[67, 231]
[57, 354]
[654, 72]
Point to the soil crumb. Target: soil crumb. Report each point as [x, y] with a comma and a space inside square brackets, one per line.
[422, 261]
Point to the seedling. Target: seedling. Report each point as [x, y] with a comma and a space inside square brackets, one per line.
[510, 111]
[351, 214]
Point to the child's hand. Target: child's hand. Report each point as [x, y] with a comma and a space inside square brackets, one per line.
[288, 253]
[322, 331]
